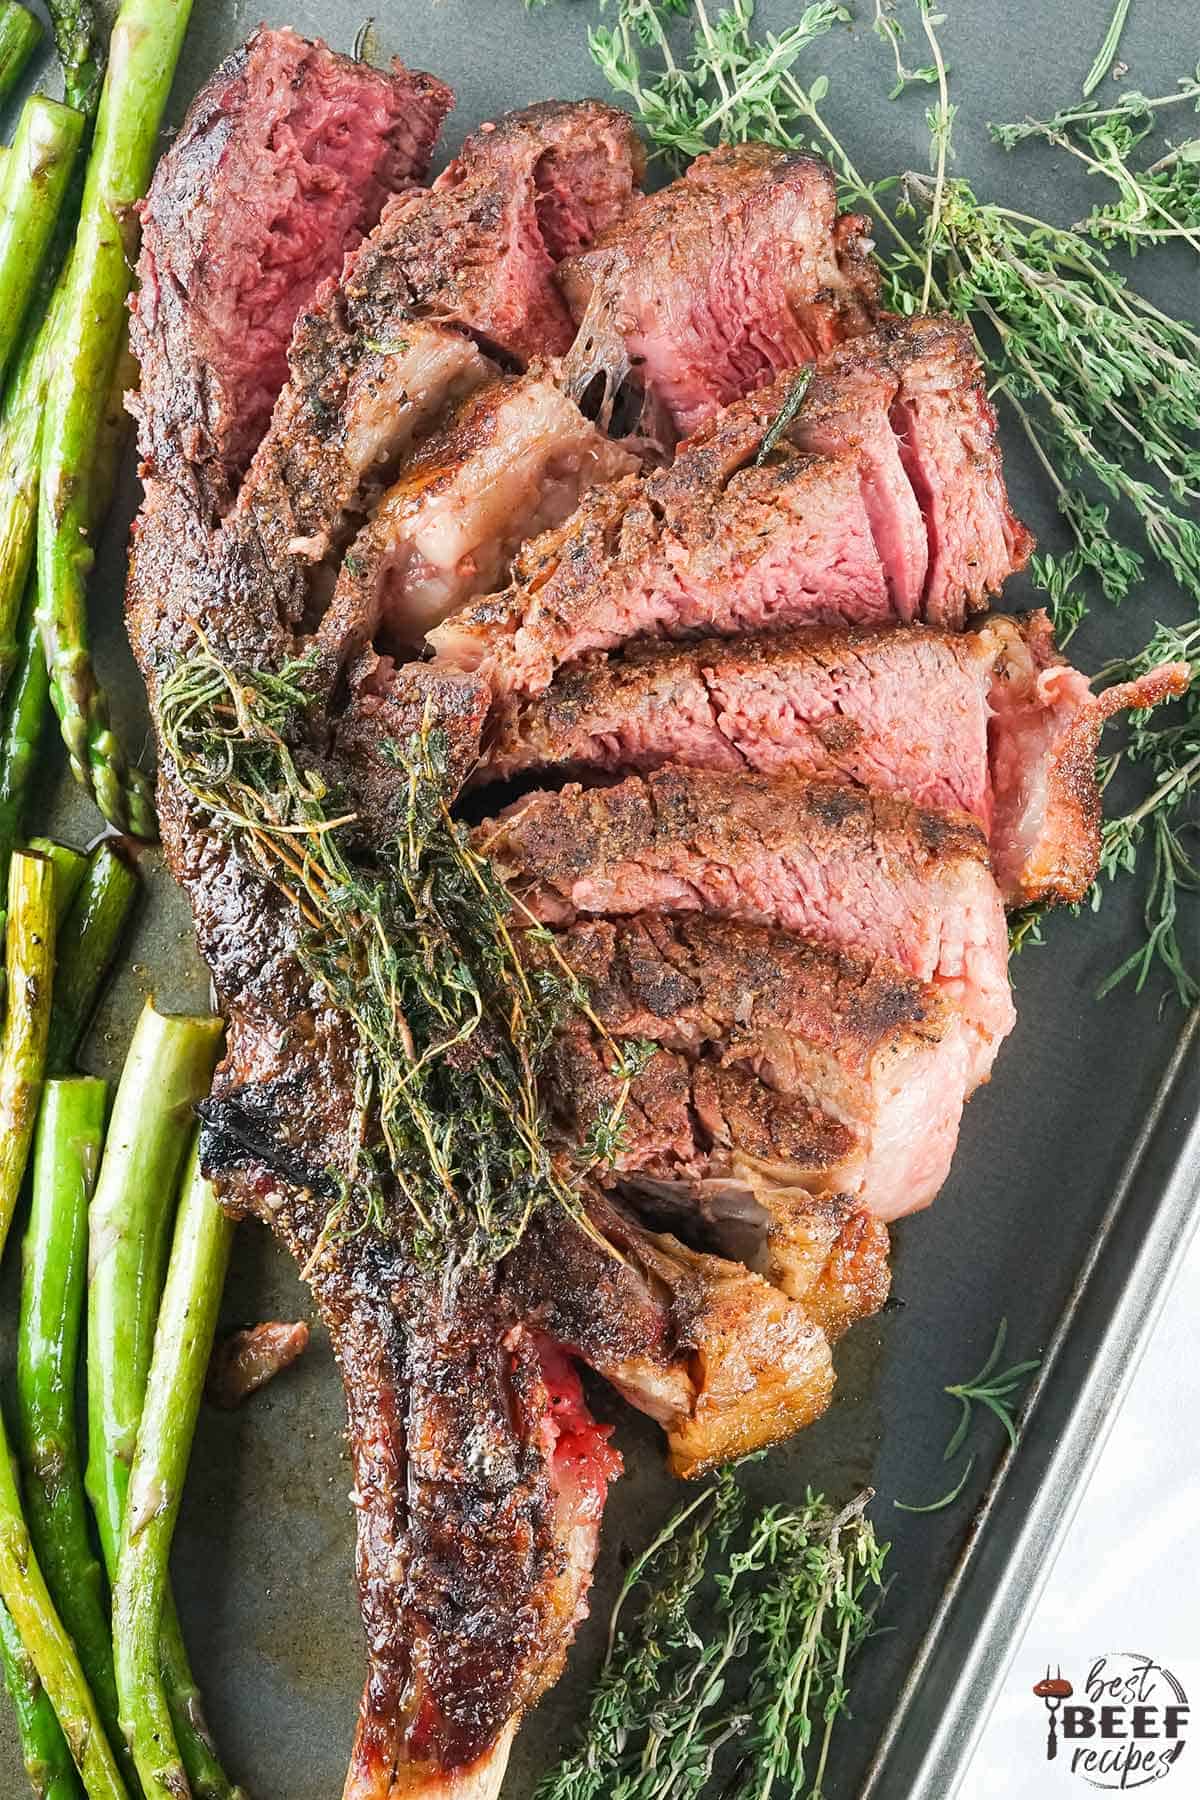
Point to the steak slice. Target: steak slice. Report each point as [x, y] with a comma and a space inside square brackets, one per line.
[873, 1062]
[451, 276]
[511, 461]
[284, 161]
[1008, 729]
[738, 270]
[812, 700]
[828, 528]
[854, 869]
[720, 1358]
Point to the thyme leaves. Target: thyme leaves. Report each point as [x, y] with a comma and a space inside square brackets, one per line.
[416, 942]
[728, 1655]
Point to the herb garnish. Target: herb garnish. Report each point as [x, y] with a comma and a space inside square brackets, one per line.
[784, 416]
[415, 942]
[731, 1674]
[987, 1388]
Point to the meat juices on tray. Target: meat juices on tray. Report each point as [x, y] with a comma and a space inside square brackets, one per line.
[774, 878]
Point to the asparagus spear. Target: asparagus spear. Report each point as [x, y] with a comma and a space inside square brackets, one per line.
[86, 948]
[65, 1159]
[144, 48]
[50, 1649]
[37, 173]
[20, 454]
[168, 1068]
[70, 867]
[19, 37]
[77, 42]
[44, 1750]
[30, 978]
[182, 1346]
[22, 715]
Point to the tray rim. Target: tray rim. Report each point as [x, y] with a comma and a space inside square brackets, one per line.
[939, 1713]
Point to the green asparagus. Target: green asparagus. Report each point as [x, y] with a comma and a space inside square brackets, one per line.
[77, 41]
[86, 948]
[54, 1278]
[50, 1649]
[145, 45]
[168, 1068]
[20, 453]
[37, 174]
[30, 980]
[48, 1762]
[22, 717]
[20, 34]
[182, 1346]
[70, 867]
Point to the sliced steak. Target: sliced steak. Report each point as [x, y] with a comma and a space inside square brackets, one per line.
[916, 387]
[451, 276]
[284, 161]
[813, 701]
[740, 269]
[1008, 730]
[828, 528]
[510, 462]
[863, 1069]
[854, 869]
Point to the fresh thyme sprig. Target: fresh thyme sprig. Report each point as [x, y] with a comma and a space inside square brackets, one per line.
[729, 1677]
[416, 942]
[992, 1388]
[1156, 201]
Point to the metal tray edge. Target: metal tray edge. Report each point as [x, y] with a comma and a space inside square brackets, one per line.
[1020, 1524]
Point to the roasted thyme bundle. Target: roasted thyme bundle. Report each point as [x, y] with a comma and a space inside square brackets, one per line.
[415, 941]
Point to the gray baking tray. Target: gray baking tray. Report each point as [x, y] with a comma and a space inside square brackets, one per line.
[1073, 1191]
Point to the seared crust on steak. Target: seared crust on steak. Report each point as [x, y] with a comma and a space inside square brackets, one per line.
[284, 161]
[723, 1360]
[785, 1063]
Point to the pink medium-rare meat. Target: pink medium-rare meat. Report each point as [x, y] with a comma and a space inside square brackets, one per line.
[509, 462]
[992, 722]
[879, 1059]
[740, 269]
[825, 528]
[284, 162]
[855, 869]
[575, 169]
[905, 710]
[911, 400]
